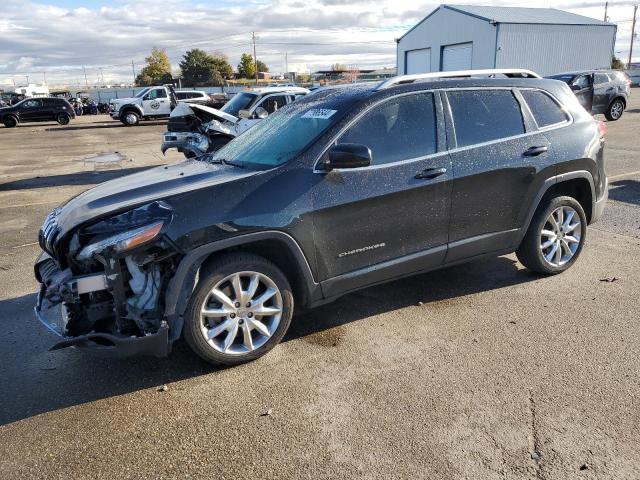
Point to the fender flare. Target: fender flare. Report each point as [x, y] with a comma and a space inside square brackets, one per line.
[550, 182]
[130, 106]
[11, 114]
[183, 281]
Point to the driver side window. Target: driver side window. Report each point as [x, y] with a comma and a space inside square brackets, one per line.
[32, 103]
[583, 81]
[401, 128]
[274, 103]
[156, 93]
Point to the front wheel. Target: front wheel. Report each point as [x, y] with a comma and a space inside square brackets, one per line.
[240, 309]
[555, 236]
[615, 110]
[63, 119]
[130, 118]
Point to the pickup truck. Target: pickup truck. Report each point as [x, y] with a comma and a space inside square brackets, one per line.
[149, 103]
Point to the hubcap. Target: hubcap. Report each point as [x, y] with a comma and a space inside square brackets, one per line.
[616, 110]
[131, 118]
[240, 313]
[560, 236]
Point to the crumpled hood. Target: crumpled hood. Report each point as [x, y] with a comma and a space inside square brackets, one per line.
[143, 187]
[214, 112]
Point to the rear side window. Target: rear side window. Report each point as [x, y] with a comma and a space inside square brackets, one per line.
[398, 129]
[544, 109]
[601, 78]
[484, 115]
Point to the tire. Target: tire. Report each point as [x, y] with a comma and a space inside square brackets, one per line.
[10, 122]
[229, 323]
[63, 119]
[130, 118]
[615, 110]
[532, 252]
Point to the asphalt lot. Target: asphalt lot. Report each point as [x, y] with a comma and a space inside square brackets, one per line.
[482, 371]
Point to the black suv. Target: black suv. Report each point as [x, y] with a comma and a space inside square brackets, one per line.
[599, 91]
[41, 109]
[347, 188]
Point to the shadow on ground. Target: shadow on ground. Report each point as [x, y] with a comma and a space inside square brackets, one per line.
[627, 191]
[80, 178]
[36, 381]
[110, 124]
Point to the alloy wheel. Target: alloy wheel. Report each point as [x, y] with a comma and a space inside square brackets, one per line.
[560, 236]
[241, 312]
[616, 110]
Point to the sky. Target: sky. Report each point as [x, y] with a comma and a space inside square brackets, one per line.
[58, 41]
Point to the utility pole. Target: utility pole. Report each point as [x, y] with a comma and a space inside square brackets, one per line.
[86, 82]
[606, 6]
[27, 79]
[133, 69]
[286, 64]
[44, 77]
[255, 59]
[633, 34]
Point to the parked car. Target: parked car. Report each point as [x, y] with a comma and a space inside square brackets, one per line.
[41, 109]
[350, 187]
[193, 96]
[148, 104]
[599, 91]
[196, 129]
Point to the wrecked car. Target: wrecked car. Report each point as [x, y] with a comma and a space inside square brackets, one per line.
[197, 129]
[349, 187]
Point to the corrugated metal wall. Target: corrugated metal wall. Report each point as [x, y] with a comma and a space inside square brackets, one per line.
[446, 27]
[549, 49]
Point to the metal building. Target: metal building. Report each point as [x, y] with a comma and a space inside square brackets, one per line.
[545, 40]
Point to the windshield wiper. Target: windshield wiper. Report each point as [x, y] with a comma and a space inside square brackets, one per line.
[224, 161]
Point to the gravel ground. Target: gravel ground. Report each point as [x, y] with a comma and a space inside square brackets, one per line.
[478, 371]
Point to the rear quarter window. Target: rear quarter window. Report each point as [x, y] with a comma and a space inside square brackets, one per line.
[484, 115]
[544, 109]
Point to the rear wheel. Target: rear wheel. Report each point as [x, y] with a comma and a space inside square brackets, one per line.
[10, 122]
[240, 309]
[555, 237]
[615, 110]
[63, 119]
[130, 118]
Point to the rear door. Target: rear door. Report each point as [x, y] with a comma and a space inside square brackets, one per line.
[496, 154]
[394, 210]
[603, 92]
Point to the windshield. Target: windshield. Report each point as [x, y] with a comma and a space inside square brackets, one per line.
[280, 137]
[142, 93]
[240, 101]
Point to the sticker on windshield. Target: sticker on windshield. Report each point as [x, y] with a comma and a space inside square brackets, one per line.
[323, 113]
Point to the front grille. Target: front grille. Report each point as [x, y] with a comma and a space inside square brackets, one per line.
[49, 233]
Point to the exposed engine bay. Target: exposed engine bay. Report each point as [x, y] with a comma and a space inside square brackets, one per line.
[110, 285]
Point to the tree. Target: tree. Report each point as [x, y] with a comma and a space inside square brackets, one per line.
[246, 67]
[262, 67]
[339, 67]
[616, 63]
[201, 69]
[157, 68]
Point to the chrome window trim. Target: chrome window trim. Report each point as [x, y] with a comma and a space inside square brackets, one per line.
[362, 114]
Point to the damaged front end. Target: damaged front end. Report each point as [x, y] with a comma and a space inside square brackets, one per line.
[102, 286]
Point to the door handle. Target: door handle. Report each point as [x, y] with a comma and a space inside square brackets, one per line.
[429, 173]
[535, 151]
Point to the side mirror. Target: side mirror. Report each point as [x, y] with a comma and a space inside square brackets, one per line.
[244, 114]
[575, 87]
[261, 113]
[348, 155]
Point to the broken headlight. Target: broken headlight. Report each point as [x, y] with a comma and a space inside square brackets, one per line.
[125, 231]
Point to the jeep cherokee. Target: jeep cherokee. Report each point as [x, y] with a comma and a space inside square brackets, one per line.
[347, 188]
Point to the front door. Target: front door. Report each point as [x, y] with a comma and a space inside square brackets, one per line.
[156, 103]
[582, 86]
[390, 218]
[31, 110]
[494, 165]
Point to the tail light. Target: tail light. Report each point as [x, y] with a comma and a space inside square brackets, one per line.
[602, 128]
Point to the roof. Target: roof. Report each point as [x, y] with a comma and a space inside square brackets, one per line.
[541, 16]
[551, 16]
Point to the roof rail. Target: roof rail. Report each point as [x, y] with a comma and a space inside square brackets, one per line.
[508, 72]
